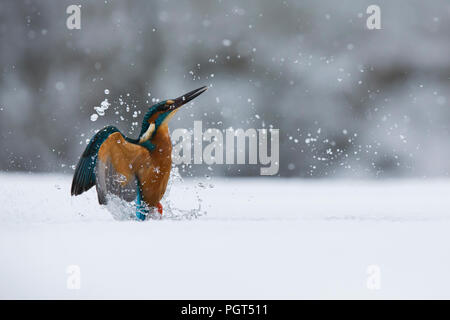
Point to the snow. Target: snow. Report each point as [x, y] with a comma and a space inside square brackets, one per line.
[264, 238]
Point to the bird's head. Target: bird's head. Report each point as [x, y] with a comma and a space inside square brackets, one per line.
[159, 114]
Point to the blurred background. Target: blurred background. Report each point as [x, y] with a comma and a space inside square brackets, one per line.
[349, 102]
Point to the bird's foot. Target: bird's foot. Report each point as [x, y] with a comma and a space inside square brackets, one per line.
[160, 208]
[142, 211]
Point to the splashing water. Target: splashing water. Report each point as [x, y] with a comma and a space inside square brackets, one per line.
[171, 211]
[123, 210]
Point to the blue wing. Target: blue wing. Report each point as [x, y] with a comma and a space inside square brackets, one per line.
[84, 176]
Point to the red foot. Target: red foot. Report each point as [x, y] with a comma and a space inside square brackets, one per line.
[160, 208]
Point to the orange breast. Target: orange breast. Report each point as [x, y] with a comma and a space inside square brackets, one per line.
[154, 178]
[151, 168]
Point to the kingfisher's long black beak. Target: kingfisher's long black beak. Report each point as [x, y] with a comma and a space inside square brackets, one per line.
[185, 98]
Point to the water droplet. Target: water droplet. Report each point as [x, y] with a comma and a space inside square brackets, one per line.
[226, 42]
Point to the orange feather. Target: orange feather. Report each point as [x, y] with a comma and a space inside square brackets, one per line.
[151, 167]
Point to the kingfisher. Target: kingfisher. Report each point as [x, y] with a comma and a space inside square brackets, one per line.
[132, 169]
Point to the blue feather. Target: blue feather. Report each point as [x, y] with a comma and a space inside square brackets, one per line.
[84, 177]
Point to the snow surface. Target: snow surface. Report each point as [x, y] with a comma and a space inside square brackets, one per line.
[259, 239]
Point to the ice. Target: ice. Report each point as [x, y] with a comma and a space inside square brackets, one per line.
[309, 239]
